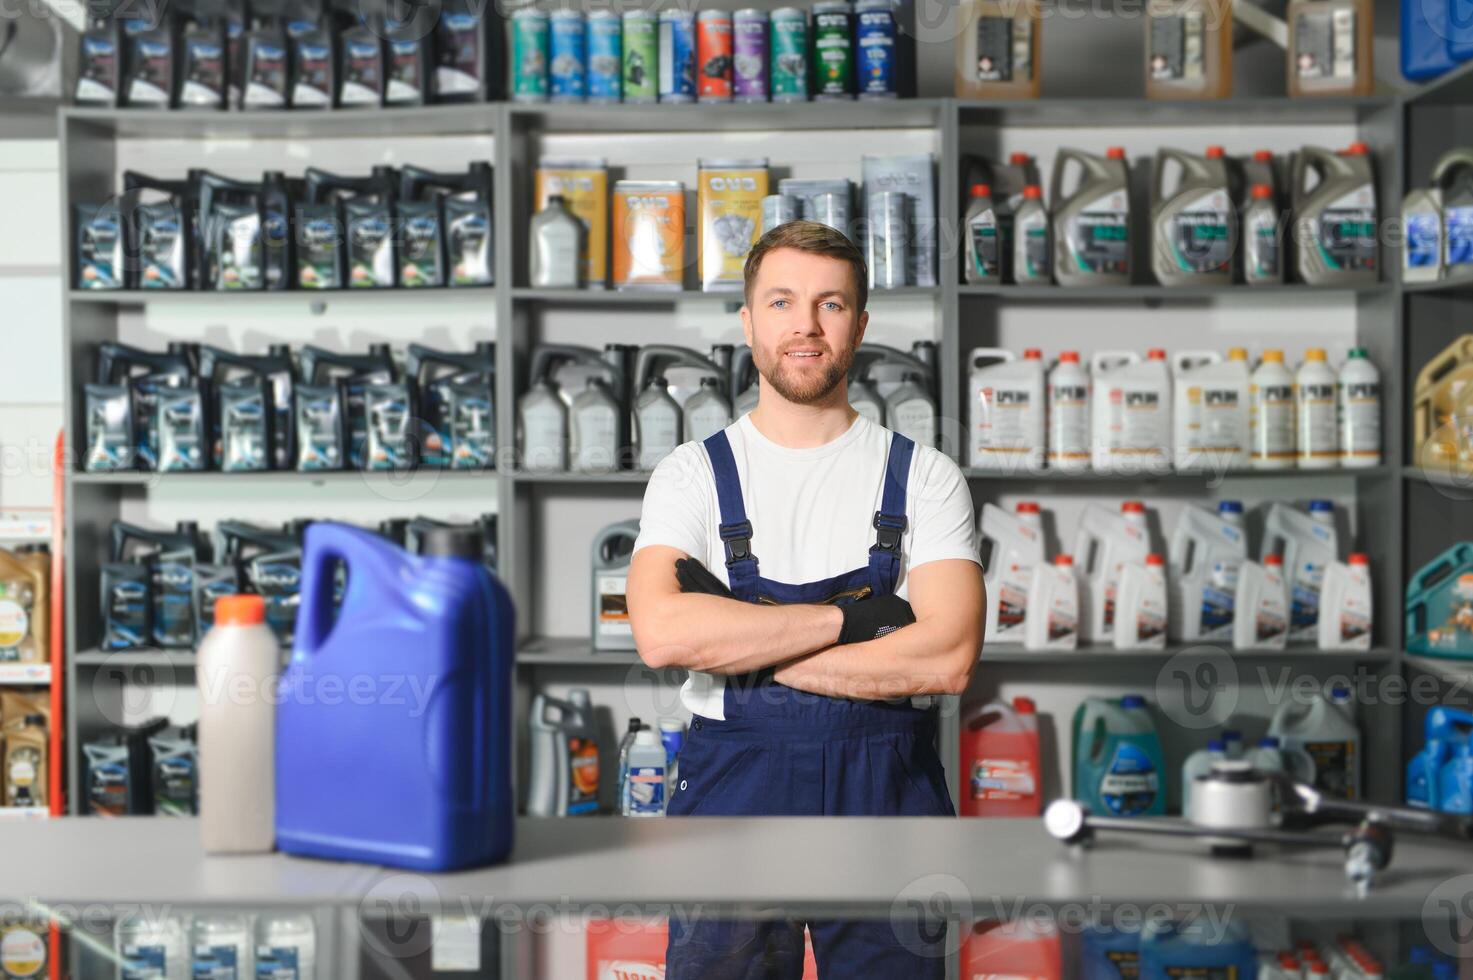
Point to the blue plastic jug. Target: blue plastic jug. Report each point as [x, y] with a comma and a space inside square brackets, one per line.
[1108, 953]
[1198, 949]
[1118, 765]
[1424, 39]
[394, 729]
[1455, 786]
[1439, 611]
[1444, 729]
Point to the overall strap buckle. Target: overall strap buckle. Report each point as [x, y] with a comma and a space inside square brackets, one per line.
[888, 531]
[738, 540]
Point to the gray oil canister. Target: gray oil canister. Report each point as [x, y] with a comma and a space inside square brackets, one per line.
[707, 411]
[862, 399]
[1092, 222]
[1335, 221]
[612, 550]
[984, 239]
[1453, 177]
[565, 771]
[1194, 228]
[1263, 252]
[657, 423]
[542, 428]
[1421, 224]
[912, 411]
[595, 429]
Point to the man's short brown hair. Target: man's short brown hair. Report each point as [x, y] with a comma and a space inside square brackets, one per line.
[815, 239]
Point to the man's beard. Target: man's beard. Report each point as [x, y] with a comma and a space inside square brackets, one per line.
[804, 390]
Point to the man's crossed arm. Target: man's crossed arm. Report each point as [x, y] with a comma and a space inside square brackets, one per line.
[721, 635]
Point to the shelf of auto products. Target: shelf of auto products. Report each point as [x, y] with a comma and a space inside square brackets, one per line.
[547, 516]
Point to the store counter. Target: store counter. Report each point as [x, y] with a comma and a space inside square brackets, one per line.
[754, 866]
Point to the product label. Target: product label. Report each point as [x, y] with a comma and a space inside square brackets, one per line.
[613, 607]
[1360, 419]
[370, 243]
[1315, 408]
[1003, 779]
[595, 437]
[1128, 963]
[468, 241]
[15, 624]
[1199, 234]
[362, 72]
[1009, 421]
[833, 52]
[659, 434]
[1219, 597]
[1134, 419]
[1176, 47]
[406, 69]
[1459, 234]
[97, 73]
[646, 789]
[238, 251]
[173, 603]
[789, 62]
[1304, 599]
[1063, 618]
[152, 71]
[1130, 784]
[144, 963]
[986, 253]
[877, 52]
[1355, 618]
[730, 203]
[317, 251]
[127, 614]
[1031, 259]
[1271, 421]
[1336, 767]
[1004, 49]
[215, 963]
[278, 963]
[1099, 237]
[313, 75]
[1012, 601]
[1424, 240]
[459, 71]
[1262, 242]
[544, 438]
[204, 73]
[420, 263]
[915, 419]
[173, 786]
[1151, 623]
[582, 776]
[1345, 232]
[649, 237]
[1325, 45]
[266, 76]
[22, 952]
[1068, 422]
[1215, 423]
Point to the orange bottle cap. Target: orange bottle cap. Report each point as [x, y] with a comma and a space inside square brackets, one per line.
[240, 610]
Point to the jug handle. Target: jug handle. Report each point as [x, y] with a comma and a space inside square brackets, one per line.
[327, 543]
[1056, 179]
[1158, 169]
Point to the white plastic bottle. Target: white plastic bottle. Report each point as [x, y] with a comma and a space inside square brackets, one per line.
[286, 946]
[238, 664]
[1318, 443]
[1017, 548]
[1308, 544]
[1068, 414]
[1141, 612]
[1206, 551]
[1267, 756]
[1104, 542]
[1054, 599]
[1210, 410]
[1199, 763]
[1358, 408]
[1006, 409]
[1345, 605]
[984, 237]
[644, 795]
[220, 946]
[1261, 612]
[151, 944]
[1271, 414]
[1131, 412]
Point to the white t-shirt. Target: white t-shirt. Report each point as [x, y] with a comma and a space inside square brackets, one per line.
[812, 514]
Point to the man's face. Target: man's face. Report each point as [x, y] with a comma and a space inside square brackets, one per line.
[803, 324]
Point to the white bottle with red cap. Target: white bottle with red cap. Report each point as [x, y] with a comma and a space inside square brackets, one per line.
[237, 669]
[1141, 609]
[1104, 543]
[1015, 545]
[1261, 612]
[1210, 414]
[1068, 414]
[984, 237]
[1054, 601]
[1345, 605]
[1006, 410]
[1032, 263]
[1131, 413]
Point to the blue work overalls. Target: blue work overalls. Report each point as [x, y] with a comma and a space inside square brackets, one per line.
[781, 752]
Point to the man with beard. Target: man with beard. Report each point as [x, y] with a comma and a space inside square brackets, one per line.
[817, 575]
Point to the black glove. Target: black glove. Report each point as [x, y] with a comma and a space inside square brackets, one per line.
[695, 577]
[870, 619]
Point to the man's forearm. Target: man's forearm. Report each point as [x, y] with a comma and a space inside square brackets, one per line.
[927, 657]
[727, 636]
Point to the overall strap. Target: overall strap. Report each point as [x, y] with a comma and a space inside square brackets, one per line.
[890, 521]
[736, 530]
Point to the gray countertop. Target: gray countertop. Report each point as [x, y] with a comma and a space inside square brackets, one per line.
[851, 866]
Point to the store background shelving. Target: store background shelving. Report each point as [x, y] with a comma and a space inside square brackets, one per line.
[546, 520]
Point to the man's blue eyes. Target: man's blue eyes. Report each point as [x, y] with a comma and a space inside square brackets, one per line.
[782, 302]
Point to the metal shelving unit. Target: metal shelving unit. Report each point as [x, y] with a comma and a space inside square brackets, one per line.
[1382, 314]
